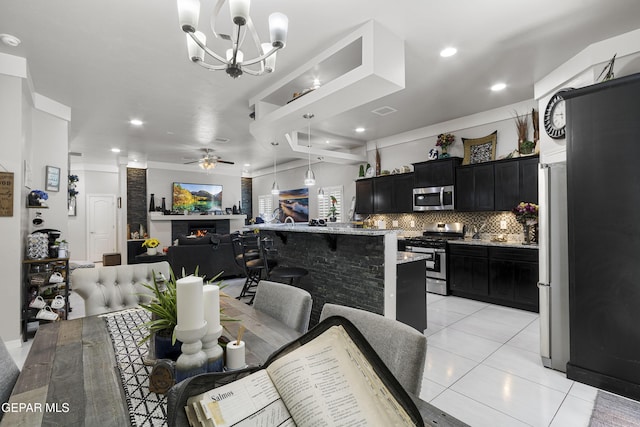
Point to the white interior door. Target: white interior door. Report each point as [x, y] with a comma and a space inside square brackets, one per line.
[101, 225]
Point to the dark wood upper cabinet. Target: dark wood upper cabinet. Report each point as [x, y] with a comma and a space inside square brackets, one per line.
[435, 173]
[475, 187]
[516, 181]
[529, 179]
[403, 192]
[383, 194]
[364, 196]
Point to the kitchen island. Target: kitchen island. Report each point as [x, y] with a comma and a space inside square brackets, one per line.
[348, 266]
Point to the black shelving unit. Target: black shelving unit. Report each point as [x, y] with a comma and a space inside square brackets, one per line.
[36, 276]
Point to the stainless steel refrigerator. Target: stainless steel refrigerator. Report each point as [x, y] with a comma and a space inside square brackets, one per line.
[553, 279]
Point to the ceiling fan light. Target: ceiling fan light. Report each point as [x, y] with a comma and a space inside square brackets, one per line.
[188, 14]
[309, 178]
[239, 10]
[278, 28]
[196, 53]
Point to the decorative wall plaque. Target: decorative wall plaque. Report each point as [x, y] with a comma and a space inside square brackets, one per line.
[6, 193]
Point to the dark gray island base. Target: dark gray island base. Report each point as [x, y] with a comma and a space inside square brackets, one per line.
[346, 267]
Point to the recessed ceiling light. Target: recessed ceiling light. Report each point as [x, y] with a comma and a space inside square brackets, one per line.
[360, 129]
[136, 122]
[448, 51]
[328, 142]
[9, 40]
[247, 165]
[115, 150]
[498, 86]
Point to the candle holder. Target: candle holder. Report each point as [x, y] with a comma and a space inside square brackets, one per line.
[193, 360]
[213, 351]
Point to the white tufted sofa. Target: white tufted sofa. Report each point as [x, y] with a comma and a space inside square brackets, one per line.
[107, 289]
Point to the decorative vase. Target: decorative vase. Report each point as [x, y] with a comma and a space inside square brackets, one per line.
[526, 229]
[333, 219]
[164, 206]
[378, 166]
[444, 154]
[164, 349]
[152, 251]
[152, 203]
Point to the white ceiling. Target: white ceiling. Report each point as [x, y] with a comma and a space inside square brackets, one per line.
[111, 61]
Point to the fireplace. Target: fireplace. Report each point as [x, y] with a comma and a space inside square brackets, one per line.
[201, 226]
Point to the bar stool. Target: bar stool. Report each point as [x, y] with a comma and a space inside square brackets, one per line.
[251, 262]
[289, 275]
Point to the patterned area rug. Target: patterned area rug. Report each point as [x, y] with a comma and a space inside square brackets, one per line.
[615, 411]
[145, 408]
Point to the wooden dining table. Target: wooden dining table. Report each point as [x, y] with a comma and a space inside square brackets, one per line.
[70, 376]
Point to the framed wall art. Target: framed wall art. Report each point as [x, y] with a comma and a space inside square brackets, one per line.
[53, 179]
[479, 150]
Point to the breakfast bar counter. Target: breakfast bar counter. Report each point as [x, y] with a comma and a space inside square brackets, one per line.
[348, 266]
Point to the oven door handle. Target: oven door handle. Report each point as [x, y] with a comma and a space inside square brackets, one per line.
[441, 196]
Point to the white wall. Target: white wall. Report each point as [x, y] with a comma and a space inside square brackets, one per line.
[160, 183]
[327, 174]
[90, 182]
[10, 227]
[400, 150]
[49, 138]
[38, 126]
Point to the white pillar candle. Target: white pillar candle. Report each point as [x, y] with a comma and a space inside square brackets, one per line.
[189, 300]
[212, 307]
[235, 355]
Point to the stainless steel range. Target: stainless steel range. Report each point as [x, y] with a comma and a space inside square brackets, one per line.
[433, 243]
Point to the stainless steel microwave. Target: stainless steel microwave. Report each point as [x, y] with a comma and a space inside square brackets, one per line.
[433, 198]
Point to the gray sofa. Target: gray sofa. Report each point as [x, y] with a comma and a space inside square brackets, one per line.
[212, 254]
[114, 288]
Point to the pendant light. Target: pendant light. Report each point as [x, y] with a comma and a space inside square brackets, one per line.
[320, 193]
[275, 190]
[309, 176]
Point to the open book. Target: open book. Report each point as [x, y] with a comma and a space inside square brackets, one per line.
[326, 381]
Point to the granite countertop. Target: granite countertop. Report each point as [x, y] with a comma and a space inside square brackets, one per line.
[405, 257]
[484, 242]
[304, 228]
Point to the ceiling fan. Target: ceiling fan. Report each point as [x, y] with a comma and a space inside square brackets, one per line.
[209, 160]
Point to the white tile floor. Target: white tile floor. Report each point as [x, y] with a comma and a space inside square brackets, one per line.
[483, 367]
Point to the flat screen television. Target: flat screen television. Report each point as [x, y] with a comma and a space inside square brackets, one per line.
[196, 197]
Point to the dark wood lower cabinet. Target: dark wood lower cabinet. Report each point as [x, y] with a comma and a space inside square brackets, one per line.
[469, 271]
[504, 276]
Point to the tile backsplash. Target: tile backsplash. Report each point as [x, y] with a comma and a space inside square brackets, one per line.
[470, 219]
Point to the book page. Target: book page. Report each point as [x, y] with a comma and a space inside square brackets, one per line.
[329, 382]
[249, 401]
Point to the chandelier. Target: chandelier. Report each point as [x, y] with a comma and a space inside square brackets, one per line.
[233, 62]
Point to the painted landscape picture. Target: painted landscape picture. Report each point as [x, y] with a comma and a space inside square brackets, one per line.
[196, 197]
[294, 203]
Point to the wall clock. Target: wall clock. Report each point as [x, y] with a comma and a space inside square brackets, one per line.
[555, 118]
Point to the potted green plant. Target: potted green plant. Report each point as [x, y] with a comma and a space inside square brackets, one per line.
[164, 315]
[333, 210]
